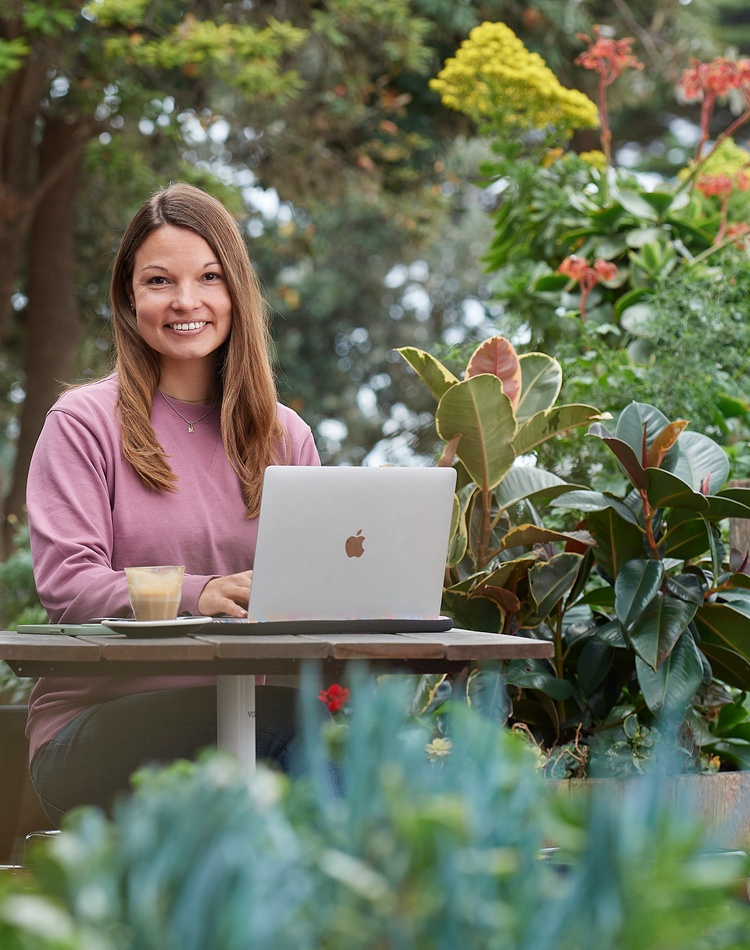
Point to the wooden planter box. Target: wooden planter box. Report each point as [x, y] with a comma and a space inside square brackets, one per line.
[720, 801]
[20, 812]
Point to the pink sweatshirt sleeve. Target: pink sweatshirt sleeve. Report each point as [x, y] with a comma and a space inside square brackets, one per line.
[70, 520]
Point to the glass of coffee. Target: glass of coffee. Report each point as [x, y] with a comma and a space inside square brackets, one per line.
[155, 592]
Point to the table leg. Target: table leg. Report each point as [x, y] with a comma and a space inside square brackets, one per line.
[235, 710]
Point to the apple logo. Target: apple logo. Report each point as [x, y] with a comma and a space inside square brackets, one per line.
[355, 545]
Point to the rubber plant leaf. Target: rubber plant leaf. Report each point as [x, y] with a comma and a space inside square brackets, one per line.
[550, 581]
[659, 627]
[498, 357]
[486, 692]
[527, 481]
[664, 442]
[583, 500]
[425, 692]
[437, 377]
[617, 541]
[700, 458]
[669, 690]
[481, 413]
[626, 457]
[667, 490]
[524, 535]
[548, 423]
[541, 383]
[727, 664]
[635, 587]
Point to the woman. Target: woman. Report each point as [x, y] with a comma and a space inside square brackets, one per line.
[160, 463]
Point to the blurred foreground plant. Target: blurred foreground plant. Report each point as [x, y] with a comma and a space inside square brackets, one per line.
[413, 855]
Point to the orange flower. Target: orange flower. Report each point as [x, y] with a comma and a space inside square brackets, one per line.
[712, 79]
[715, 186]
[609, 58]
[587, 275]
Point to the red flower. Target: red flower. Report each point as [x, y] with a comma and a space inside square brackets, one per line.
[335, 697]
[587, 275]
[715, 186]
[609, 58]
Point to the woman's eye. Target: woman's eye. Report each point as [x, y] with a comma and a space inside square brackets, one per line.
[157, 280]
[212, 276]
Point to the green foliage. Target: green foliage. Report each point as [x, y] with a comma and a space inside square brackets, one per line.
[503, 575]
[413, 854]
[18, 604]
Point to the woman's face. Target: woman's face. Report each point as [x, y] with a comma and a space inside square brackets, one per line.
[182, 303]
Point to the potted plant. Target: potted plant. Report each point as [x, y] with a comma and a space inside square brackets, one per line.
[648, 611]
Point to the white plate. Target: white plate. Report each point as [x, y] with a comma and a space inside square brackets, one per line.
[156, 628]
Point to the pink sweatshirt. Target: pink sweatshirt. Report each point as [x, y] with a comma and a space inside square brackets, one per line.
[90, 516]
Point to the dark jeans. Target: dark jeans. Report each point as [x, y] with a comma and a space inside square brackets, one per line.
[90, 761]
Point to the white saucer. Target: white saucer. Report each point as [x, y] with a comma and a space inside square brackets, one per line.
[159, 628]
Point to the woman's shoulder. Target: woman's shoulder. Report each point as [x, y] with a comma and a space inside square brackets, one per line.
[98, 393]
[294, 424]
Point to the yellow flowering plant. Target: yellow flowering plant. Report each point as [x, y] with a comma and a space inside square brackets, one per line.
[643, 251]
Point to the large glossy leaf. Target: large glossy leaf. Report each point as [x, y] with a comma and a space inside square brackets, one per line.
[667, 490]
[472, 613]
[727, 665]
[549, 423]
[593, 665]
[669, 690]
[425, 691]
[486, 693]
[722, 506]
[527, 534]
[479, 410]
[616, 541]
[551, 580]
[636, 586]
[459, 536]
[527, 481]
[438, 378]
[634, 420]
[721, 624]
[536, 674]
[659, 627]
[541, 384]
[700, 457]
[629, 461]
[687, 535]
[497, 357]
[594, 501]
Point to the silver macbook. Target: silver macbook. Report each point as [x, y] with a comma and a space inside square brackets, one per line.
[351, 549]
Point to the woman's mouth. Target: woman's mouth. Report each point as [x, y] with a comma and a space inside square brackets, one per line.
[188, 326]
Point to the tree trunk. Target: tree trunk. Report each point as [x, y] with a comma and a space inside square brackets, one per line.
[53, 327]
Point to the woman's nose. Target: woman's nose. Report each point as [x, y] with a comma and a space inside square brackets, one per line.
[185, 297]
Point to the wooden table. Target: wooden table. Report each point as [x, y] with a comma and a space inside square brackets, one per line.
[235, 659]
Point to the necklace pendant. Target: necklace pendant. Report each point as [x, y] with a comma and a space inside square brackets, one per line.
[190, 427]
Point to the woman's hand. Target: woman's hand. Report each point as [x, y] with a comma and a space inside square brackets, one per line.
[226, 595]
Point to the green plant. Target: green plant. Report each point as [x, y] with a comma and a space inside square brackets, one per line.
[18, 604]
[584, 250]
[642, 602]
[502, 410]
[670, 609]
[414, 855]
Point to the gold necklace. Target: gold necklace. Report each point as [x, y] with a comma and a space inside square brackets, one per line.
[191, 425]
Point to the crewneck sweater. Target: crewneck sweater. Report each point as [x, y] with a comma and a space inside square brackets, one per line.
[91, 516]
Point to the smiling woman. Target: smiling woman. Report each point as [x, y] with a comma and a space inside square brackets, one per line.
[159, 463]
[183, 309]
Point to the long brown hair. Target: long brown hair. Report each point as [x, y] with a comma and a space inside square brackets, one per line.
[252, 435]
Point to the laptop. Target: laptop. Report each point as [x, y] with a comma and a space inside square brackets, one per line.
[344, 549]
